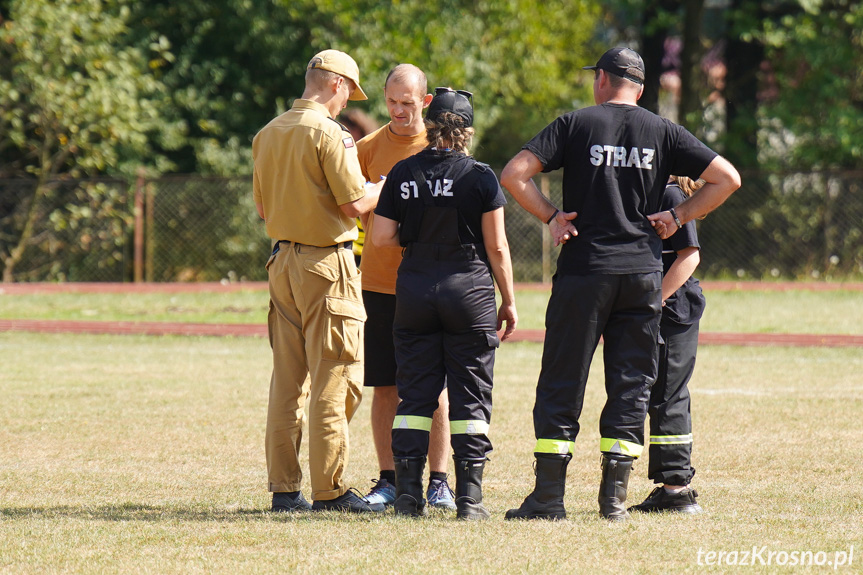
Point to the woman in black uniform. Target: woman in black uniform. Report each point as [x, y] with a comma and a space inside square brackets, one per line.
[446, 210]
[670, 462]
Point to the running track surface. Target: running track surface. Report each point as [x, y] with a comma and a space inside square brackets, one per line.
[260, 330]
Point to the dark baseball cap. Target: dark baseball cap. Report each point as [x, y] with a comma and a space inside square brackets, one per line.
[621, 62]
[458, 102]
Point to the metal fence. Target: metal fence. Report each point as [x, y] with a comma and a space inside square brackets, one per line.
[192, 228]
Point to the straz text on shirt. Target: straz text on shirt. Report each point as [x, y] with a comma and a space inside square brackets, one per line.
[438, 188]
[620, 157]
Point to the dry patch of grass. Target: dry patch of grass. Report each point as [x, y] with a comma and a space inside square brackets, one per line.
[137, 454]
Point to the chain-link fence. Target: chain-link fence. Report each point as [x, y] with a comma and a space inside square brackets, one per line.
[203, 229]
[192, 228]
[65, 230]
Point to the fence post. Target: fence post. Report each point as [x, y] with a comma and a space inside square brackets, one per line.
[151, 232]
[139, 227]
[546, 236]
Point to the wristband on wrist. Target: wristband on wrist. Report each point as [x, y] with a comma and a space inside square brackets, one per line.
[548, 221]
[676, 219]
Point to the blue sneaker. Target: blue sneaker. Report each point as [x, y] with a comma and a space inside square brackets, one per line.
[440, 495]
[383, 493]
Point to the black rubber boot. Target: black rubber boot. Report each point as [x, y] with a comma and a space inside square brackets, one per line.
[612, 490]
[409, 486]
[546, 501]
[468, 489]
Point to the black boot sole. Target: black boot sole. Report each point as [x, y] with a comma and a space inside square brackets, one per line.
[514, 514]
[408, 506]
[689, 510]
[470, 511]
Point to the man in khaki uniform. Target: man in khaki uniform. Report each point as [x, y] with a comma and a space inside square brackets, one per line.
[308, 187]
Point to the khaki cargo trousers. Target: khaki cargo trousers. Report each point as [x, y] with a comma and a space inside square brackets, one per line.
[316, 333]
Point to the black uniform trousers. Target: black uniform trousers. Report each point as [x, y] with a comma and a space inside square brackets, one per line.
[670, 420]
[623, 309]
[444, 331]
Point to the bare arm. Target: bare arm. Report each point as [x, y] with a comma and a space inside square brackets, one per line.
[680, 271]
[722, 180]
[385, 232]
[497, 248]
[516, 177]
[366, 203]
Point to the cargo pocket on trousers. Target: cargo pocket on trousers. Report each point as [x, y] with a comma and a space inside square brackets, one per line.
[327, 267]
[344, 334]
[491, 339]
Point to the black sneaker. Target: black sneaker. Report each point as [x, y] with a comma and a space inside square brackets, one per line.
[351, 501]
[290, 502]
[661, 501]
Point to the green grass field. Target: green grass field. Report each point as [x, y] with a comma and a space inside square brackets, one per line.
[145, 455]
[835, 312]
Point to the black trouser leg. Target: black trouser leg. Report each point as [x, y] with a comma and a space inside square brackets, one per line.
[630, 355]
[470, 367]
[670, 420]
[576, 312]
[420, 377]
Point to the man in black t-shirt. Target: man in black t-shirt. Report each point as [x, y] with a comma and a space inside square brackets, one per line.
[616, 159]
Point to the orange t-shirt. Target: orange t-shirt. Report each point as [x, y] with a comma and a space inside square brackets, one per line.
[378, 153]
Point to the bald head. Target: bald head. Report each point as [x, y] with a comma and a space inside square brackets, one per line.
[409, 75]
[405, 96]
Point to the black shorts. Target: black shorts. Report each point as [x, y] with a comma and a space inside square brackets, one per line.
[380, 354]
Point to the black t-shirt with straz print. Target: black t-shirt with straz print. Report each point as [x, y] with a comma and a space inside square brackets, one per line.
[455, 180]
[616, 160]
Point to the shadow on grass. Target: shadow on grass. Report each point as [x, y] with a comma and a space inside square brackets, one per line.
[155, 514]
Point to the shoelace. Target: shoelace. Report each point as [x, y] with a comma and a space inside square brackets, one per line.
[379, 486]
[356, 492]
[442, 489]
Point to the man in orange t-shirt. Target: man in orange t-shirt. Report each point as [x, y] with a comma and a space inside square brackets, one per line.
[406, 96]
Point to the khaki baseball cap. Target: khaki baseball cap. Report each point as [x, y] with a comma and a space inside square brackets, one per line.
[341, 64]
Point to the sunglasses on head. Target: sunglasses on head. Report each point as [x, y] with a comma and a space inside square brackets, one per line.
[444, 90]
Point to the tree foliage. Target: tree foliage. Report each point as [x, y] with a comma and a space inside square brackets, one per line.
[235, 64]
[521, 59]
[228, 67]
[74, 100]
[103, 87]
[812, 104]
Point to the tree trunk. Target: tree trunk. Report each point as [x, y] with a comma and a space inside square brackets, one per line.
[31, 216]
[654, 32]
[743, 61]
[692, 80]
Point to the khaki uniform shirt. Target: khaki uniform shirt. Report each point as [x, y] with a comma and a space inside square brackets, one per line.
[306, 167]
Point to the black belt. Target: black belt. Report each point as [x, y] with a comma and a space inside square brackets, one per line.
[348, 245]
